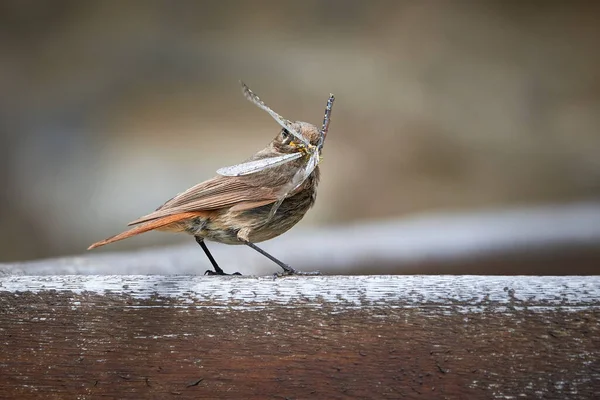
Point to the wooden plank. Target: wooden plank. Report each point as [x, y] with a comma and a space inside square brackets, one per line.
[132, 337]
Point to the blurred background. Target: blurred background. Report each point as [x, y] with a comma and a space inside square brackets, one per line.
[444, 109]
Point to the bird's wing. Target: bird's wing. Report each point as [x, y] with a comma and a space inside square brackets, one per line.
[218, 192]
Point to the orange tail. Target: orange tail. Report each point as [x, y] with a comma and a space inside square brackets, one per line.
[158, 223]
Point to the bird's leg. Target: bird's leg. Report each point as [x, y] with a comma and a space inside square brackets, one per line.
[218, 270]
[287, 270]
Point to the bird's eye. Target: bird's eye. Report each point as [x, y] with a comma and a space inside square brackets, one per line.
[285, 133]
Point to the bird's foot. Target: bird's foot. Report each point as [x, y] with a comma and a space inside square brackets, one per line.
[221, 273]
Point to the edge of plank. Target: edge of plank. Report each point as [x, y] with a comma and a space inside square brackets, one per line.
[542, 292]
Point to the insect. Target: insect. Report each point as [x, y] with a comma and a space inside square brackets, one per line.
[249, 202]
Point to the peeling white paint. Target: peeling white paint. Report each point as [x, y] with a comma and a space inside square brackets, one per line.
[466, 293]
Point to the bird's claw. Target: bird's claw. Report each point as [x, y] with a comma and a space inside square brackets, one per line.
[211, 273]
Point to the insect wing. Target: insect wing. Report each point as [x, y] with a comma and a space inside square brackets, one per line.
[252, 167]
[250, 95]
[326, 120]
[296, 181]
[311, 165]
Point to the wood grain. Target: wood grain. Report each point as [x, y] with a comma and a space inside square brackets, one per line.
[389, 337]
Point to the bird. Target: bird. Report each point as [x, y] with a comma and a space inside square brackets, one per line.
[251, 202]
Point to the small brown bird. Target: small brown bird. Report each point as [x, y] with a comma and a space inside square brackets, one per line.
[250, 202]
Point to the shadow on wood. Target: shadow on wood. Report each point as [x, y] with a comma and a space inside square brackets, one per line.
[132, 337]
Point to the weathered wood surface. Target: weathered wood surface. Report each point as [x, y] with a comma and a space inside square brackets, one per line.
[385, 337]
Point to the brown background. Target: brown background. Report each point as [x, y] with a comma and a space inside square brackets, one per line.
[109, 108]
